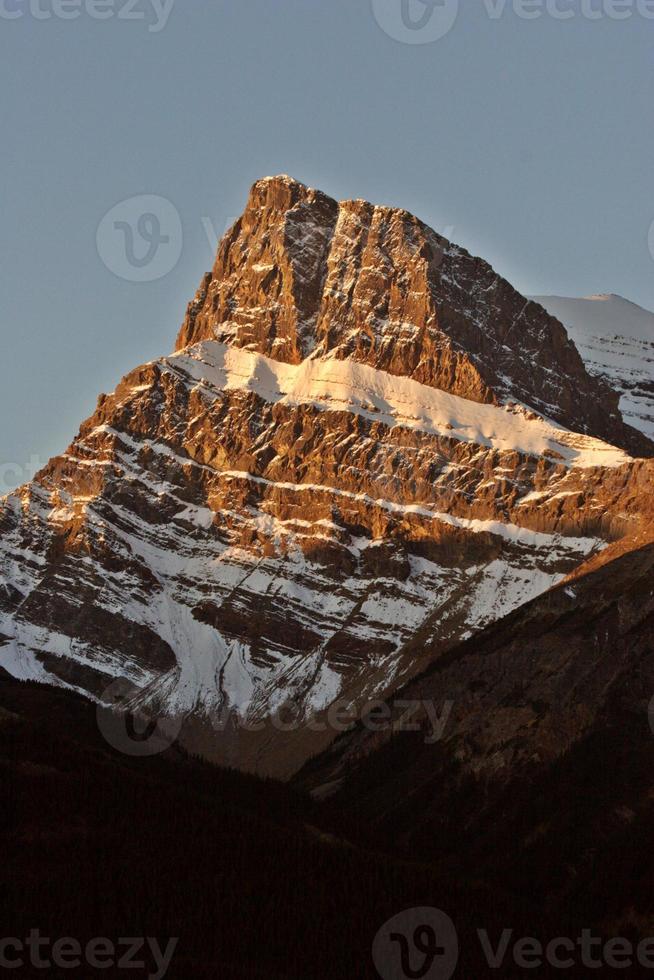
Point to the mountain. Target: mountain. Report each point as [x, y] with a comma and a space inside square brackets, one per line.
[542, 780]
[365, 448]
[616, 340]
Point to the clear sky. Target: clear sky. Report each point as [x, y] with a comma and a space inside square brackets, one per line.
[527, 139]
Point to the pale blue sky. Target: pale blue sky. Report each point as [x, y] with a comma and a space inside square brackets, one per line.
[530, 141]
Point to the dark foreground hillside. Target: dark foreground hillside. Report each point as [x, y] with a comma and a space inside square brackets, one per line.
[98, 844]
[246, 873]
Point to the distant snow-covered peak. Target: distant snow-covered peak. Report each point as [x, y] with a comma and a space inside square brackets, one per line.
[615, 337]
[604, 314]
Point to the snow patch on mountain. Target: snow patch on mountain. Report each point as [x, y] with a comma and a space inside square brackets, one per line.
[335, 385]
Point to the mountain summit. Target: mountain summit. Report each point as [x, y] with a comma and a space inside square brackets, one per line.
[366, 447]
[300, 275]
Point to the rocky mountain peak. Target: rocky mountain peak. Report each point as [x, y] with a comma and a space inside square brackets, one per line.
[343, 470]
[301, 275]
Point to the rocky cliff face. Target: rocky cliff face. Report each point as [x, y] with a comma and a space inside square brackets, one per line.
[366, 448]
[301, 275]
